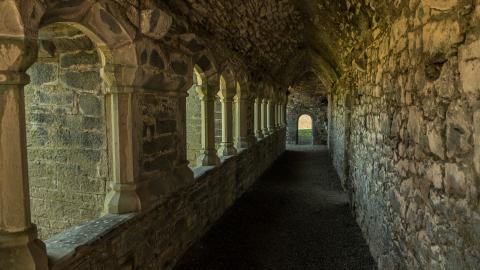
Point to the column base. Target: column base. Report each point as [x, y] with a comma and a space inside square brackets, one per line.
[226, 149]
[265, 133]
[22, 251]
[123, 199]
[208, 158]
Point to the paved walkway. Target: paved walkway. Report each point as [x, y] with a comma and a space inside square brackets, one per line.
[295, 217]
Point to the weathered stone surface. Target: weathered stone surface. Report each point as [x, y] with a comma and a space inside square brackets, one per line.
[155, 23]
[79, 58]
[402, 88]
[469, 67]
[435, 176]
[66, 136]
[441, 4]
[422, 174]
[454, 180]
[476, 140]
[42, 73]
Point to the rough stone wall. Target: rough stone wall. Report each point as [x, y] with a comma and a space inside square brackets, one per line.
[315, 106]
[405, 137]
[159, 136]
[156, 239]
[152, 53]
[194, 127]
[66, 132]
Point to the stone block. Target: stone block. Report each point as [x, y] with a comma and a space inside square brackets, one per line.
[91, 105]
[455, 182]
[92, 139]
[469, 67]
[436, 140]
[435, 176]
[93, 123]
[442, 5]
[415, 125]
[476, 142]
[458, 130]
[155, 23]
[42, 73]
[81, 58]
[74, 43]
[83, 80]
[439, 37]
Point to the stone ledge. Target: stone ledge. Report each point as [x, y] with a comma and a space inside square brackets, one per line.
[103, 242]
[64, 246]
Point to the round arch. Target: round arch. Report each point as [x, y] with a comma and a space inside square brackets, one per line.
[305, 128]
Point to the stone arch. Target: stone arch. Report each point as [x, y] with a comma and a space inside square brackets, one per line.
[228, 81]
[69, 127]
[104, 29]
[117, 59]
[312, 128]
[193, 116]
[207, 67]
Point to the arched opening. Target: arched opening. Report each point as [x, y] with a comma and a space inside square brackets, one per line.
[194, 119]
[305, 130]
[66, 127]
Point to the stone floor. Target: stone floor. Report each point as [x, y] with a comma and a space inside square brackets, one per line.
[295, 217]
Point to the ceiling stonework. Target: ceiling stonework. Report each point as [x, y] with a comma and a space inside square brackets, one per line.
[283, 39]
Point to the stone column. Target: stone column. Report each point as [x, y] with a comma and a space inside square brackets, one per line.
[264, 117]
[277, 118]
[19, 246]
[208, 155]
[227, 146]
[125, 146]
[258, 118]
[270, 117]
[280, 115]
[245, 137]
[182, 172]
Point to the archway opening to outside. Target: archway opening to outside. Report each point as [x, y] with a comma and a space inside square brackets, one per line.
[194, 119]
[66, 128]
[304, 133]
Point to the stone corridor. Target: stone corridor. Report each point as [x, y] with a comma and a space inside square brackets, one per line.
[296, 217]
[128, 128]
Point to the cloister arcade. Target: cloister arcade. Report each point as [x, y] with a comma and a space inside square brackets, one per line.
[128, 128]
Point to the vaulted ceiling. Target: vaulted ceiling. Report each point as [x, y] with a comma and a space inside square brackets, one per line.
[281, 39]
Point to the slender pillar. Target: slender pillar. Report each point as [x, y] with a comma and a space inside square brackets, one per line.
[208, 155]
[276, 122]
[281, 115]
[264, 118]
[183, 173]
[124, 196]
[19, 246]
[270, 117]
[245, 136]
[258, 118]
[227, 146]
